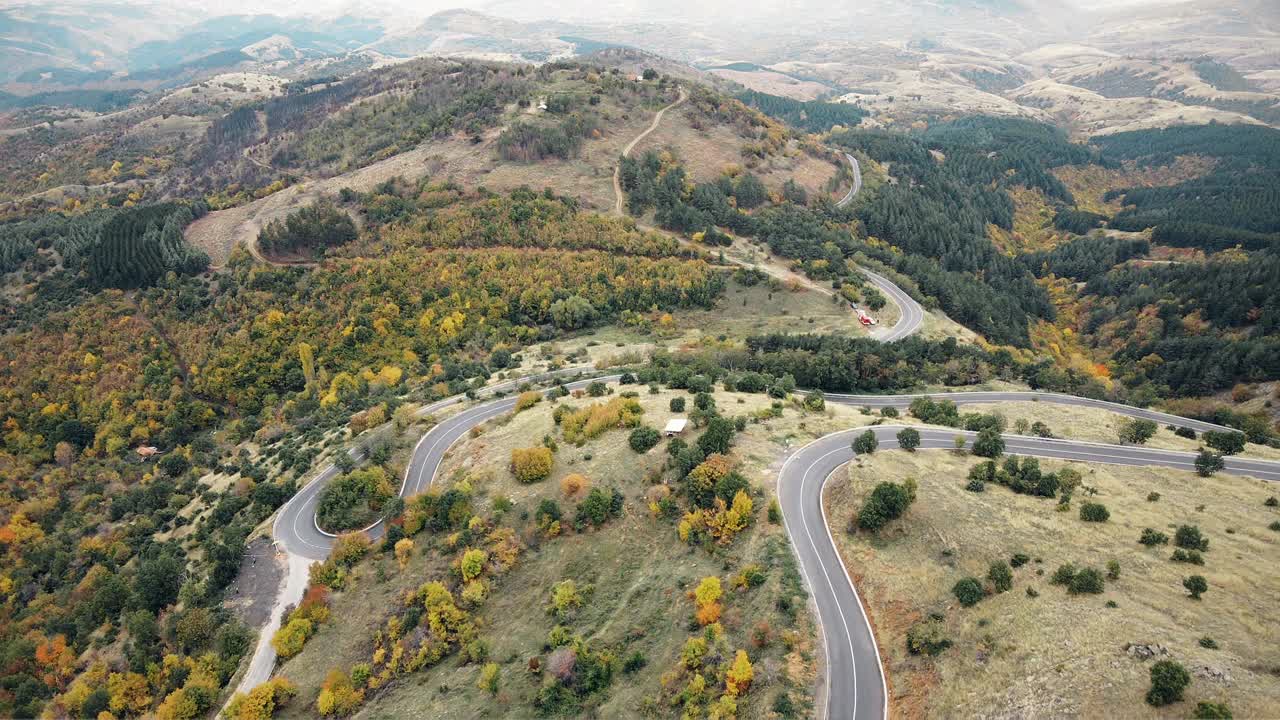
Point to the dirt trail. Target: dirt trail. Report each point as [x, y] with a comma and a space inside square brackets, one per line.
[626, 151]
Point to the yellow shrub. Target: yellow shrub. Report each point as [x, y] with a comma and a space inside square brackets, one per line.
[531, 464]
[591, 421]
[573, 484]
[527, 400]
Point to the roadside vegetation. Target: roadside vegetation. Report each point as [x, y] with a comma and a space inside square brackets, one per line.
[656, 591]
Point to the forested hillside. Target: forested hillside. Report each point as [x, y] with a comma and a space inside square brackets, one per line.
[1162, 329]
[280, 356]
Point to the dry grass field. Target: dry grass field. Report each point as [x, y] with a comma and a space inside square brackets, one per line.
[706, 152]
[1097, 425]
[1014, 655]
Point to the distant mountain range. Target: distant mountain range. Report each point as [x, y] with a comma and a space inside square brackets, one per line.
[967, 53]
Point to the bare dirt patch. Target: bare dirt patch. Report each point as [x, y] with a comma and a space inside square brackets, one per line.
[253, 593]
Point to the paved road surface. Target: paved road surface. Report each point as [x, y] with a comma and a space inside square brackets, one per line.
[857, 181]
[295, 527]
[855, 676]
[911, 312]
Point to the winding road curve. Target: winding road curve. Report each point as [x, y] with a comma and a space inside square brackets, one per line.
[855, 680]
[296, 532]
[857, 181]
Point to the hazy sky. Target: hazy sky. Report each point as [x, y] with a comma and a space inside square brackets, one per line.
[601, 10]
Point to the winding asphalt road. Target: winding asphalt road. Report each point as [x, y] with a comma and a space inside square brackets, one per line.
[856, 686]
[296, 529]
[911, 313]
[855, 676]
[857, 181]
[855, 679]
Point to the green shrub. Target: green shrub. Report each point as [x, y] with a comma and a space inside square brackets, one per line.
[909, 439]
[866, 443]
[928, 637]
[1228, 442]
[1019, 559]
[1208, 643]
[1188, 536]
[634, 663]
[886, 502]
[1094, 512]
[597, 508]
[677, 404]
[1196, 586]
[975, 485]
[1211, 711]
[1113, 569]
[968, 591]
[784, 706]
[644, 438]
[1208, 463]
[989, 444]
[1087, 580]
[1001, 576]
[1063, 575]
[1168, 680]
[1137, 430]
[1187, 556]
[1151, 537]
[815, 401]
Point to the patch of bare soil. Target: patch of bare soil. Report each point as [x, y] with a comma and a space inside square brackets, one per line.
[253, 593]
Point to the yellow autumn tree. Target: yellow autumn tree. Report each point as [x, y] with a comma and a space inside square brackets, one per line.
[707, 598]
[404, 549]
[338, 696]
[738, 680]
[472, 563]
[288, 640]
[129, 693]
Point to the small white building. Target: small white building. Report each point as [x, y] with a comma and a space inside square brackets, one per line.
[675, 426]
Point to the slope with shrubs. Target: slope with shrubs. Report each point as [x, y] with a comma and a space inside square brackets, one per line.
[603, 603]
